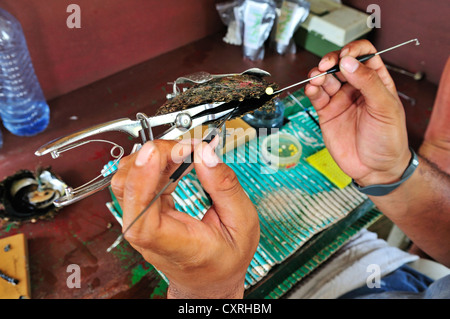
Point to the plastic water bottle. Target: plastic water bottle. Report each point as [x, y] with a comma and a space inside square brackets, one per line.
[23, 107]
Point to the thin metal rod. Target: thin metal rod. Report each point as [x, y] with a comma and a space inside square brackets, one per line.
[398, 45]
[299, 83]
[120, 238]
[328, 72]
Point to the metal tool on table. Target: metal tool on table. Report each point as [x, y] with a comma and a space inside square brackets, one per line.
[411, 100]
[174, 177]
[180, 121]
[335, 68]
[416, 76]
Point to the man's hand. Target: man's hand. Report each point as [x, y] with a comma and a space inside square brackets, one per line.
[362, 118]
[363, 124]
[205, 258]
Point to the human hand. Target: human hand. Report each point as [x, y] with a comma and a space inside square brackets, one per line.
[205, 258]
[362, 118]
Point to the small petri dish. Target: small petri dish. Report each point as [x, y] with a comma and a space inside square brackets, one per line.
[281, 151]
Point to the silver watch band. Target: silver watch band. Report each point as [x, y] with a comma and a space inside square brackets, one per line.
[384, 189]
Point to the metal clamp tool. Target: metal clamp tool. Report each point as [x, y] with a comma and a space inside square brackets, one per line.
[175, 176]
[181, 122]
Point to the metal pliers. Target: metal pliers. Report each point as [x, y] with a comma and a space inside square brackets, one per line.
[181, 122]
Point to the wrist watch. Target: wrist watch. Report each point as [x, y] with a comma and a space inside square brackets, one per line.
[384, 189]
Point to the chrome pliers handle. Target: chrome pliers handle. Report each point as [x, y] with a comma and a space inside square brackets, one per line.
[181, 122]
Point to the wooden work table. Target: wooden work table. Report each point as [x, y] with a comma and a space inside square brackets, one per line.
[81, 233]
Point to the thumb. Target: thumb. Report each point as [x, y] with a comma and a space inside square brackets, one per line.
[231, 203]
[368, 82]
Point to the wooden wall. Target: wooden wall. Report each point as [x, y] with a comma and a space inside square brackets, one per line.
[114, 35]
[402, 20]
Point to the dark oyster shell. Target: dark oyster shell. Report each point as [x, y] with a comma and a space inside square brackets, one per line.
[227, 89]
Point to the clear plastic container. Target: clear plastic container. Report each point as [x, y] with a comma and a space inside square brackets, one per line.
[23, 107]
[266, 119]
[281, 151]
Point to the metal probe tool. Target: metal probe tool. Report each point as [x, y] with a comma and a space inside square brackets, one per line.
[175, 175]
[334, 69]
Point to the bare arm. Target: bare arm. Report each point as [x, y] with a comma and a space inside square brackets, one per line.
[421, 208]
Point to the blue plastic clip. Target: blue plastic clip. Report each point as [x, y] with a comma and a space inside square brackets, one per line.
[110, 168]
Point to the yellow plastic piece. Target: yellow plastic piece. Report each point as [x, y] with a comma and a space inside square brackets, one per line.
[14, 263]
[324, 163]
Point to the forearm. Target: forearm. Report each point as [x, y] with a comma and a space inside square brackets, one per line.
[421, 208]
[236, 292]
[231, 287]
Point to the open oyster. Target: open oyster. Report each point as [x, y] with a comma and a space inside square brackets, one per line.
[246, 88]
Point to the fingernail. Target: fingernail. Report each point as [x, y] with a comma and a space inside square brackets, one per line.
[190, 141]
[311, 90]
[196, 141]
[323, 62]
[343, 53]
[349, 64]
[215, 142]
[314, 73]
[209, 157]
[144, 154]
